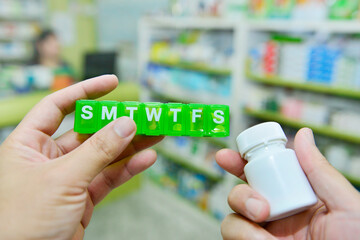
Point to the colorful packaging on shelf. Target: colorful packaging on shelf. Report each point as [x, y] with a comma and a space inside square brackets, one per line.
[345, 72]
[346, 121]
[311, 10]
[271, 58]
[338, 156]
[281, 9]
[192, 186]
[195, 151]
[259, 8]
[293, 61]
[172, 80]
[321, 64]
[344, 9]
[292, 108]
[315, 114]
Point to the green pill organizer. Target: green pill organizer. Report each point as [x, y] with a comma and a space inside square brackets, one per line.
[154, 119]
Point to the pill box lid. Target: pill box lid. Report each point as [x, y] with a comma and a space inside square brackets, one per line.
[259, 134]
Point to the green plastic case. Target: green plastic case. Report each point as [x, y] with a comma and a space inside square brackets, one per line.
[86, 112]
[134, 111]
[154, 119]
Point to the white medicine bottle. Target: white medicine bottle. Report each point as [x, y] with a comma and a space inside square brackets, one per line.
[274, 171]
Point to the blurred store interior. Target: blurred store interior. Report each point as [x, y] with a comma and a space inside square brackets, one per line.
[296, 62]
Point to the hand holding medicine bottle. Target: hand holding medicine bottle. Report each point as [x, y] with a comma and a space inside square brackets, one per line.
[49, 187]
[336, 215]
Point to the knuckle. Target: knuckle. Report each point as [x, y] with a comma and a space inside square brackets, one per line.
[236, 192]
[103, 148]
[228, 230]
[224, 226]
[109, 181]
[226, 220]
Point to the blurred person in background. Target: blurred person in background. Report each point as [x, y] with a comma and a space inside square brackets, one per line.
[50, 70]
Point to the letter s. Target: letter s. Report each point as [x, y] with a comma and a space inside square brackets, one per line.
[219, 117]
[87, 112]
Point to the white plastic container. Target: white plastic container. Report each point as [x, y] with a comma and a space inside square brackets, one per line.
[274, 171]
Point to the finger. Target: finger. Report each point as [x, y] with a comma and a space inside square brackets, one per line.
[231, 162]
[330, 186]
[138, 144]
[244, 200]
[47, 115]
[71, 140]
[119, 173]
[89, 210]
[80, 233]
[90, 158]
[236, 227]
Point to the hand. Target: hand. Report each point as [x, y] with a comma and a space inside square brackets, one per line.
[48, 188]
[336, 216]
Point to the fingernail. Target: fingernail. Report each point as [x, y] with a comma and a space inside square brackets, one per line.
[254, 207]
[309, 135]
[124, 127]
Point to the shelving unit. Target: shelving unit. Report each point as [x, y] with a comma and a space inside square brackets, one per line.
[15, 18]
[149, 26]
[188, 97]
[207, 23]
[188, 164]
[322, 130]
[148, 30]
[326, 26]
[306, 86]
[194, 67]
[19, 24]
[323, 28]
[242, 78]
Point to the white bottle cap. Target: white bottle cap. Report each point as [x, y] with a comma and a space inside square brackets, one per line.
[259, 134]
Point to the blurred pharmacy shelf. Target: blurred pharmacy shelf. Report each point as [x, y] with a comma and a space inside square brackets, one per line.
[182, 200]
[152, 29]
[21, 19]
[326, 26]
[220, 142]
[187, 97]
[188, 163]
[322, 130]
[197, 67]
[193, 22]
[19, 23]
[159, 84]
[306, 86]
[16, 107]
[277, 67]
[161, 214]
[279, 25]
[15, 60]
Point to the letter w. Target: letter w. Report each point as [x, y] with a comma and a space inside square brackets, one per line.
[153, 114]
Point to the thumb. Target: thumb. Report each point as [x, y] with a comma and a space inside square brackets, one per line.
[330, 186]
[90, 158]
